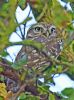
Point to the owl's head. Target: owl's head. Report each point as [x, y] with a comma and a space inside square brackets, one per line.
[44, 29]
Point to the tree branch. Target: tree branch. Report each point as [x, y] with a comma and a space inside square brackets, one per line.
[9, 72]
[42, 49]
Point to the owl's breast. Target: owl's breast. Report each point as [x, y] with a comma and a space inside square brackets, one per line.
[51, 44]
[35, 58]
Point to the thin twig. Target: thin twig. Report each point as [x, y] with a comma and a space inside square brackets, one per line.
[20, 29]
[42, 49]
[43, 12]
[18, 35]
[9, 72]
[22, 88]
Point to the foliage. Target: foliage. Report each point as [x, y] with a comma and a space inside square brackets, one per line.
[28, 96]
[69, 92]
[17, 81]
[3, 91]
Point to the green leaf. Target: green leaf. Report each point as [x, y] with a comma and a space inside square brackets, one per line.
[4, 53]
[60, 20]
[2, 78]
[32, 43]
[43, 89]
[22, 96]
[28, 96]
[5, 7]
[1, 98]
[71, 96]
[59, 69]
[49, 3]
[19, 64]
[51, 96]
[22, 3]
[1, 69]
[68, 91]
[70, 0]
[72, 46]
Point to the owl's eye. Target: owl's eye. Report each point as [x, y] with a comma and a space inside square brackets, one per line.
[52, 29]
[37, 29]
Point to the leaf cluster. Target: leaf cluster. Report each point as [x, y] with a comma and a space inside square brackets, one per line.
[27, 80]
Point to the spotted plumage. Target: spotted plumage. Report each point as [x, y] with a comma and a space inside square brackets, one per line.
[46, 34]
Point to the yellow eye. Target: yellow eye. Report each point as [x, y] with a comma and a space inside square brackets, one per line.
[38, 30]
[52, 29]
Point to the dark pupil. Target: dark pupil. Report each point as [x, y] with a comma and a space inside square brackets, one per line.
[52, 30]
[37, 29]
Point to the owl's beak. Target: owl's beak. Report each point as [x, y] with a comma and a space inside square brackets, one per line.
[30, 35]
[47, 34]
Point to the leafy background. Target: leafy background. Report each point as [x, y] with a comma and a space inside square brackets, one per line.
[49, 11]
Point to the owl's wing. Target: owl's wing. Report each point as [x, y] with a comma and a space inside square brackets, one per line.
[35, 58]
